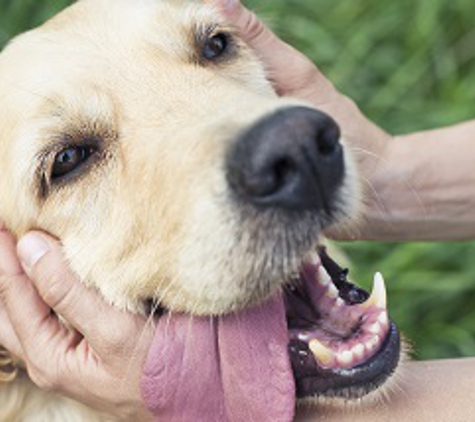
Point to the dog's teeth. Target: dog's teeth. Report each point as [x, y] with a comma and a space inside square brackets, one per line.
[358, 351]
[378, 294]
[312, 258]
[383, 319]
[339, 302]
[375, 328]
[345, 358]
[323, 277]
[372, 343]
[324, 355]
[332, 292]
[303, 337]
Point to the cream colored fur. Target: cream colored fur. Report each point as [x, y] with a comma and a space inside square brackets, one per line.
[152, 217]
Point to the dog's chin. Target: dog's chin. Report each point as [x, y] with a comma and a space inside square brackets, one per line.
[342, 346]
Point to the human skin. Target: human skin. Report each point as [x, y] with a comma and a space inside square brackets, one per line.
[419, 186]
[424, 184]
[433, 391]
[98, 360]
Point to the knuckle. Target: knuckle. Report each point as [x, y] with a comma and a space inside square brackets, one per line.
[41, 379]
[52, 289]
[6, 283]
[254, 28]
[3, 287]
[114, 339]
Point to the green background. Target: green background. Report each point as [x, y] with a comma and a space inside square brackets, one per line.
[410, 65]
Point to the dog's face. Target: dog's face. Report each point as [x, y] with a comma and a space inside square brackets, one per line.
[120, 118]
[145, 135]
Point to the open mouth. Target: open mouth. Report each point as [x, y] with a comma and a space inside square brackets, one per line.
[341, 340]
[338, 338]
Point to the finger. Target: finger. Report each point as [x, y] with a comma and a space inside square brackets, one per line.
[250, 27]
[8, 337]
[290, 71]
[9, 268]
[28, 315]
[102, 324]
[9, 263]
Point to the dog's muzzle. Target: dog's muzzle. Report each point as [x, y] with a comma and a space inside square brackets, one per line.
[341, 342]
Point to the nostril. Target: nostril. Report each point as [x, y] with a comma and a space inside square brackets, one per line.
[290, 159]
[327, 140]
[271, 178]
[284, 170]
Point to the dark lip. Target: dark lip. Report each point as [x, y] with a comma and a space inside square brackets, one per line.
[354, 383]
[347, 383]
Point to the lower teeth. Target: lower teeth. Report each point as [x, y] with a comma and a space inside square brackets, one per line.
[365, 338]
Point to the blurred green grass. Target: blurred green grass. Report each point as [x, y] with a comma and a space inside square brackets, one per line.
[410, 66]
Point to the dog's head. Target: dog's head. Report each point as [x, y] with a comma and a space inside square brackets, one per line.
[145, 135]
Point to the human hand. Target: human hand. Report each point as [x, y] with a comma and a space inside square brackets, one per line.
[99, 362]
[290, 72]
[406, 197]
[293, 74]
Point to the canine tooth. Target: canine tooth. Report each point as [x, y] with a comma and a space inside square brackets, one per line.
[323, 278]
[332, 291]
[358, 350]
[383, 319]
[345, 358]
[378, 295]
[322, 353]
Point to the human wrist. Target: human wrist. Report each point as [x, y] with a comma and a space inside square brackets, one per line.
[423, 188]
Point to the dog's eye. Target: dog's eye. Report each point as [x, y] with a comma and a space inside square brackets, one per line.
[215, 46]
[69, 159]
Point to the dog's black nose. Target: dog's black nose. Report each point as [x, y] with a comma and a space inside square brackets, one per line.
[290, 159]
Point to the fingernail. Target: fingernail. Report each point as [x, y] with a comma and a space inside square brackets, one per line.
[31, 248]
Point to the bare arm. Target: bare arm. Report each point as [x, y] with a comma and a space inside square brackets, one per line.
[433, 391]
[425, 187]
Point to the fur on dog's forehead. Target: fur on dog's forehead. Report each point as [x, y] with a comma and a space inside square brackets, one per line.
[103, 58]
[117, 38]
[125, 45]
[155, 209]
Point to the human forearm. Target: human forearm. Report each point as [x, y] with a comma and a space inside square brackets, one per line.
[433, 391]
[420, 186]
[424, 187]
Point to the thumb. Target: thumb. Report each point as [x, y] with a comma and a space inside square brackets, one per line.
[82, 307]
[35, 333]
[43, 261]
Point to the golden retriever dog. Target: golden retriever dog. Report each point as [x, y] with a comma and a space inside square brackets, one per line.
[145, 135]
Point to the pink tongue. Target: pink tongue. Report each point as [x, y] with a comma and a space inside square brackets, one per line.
[232, 368]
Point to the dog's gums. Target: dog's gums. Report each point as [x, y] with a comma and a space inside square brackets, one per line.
[341, 341]
[146, 136]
